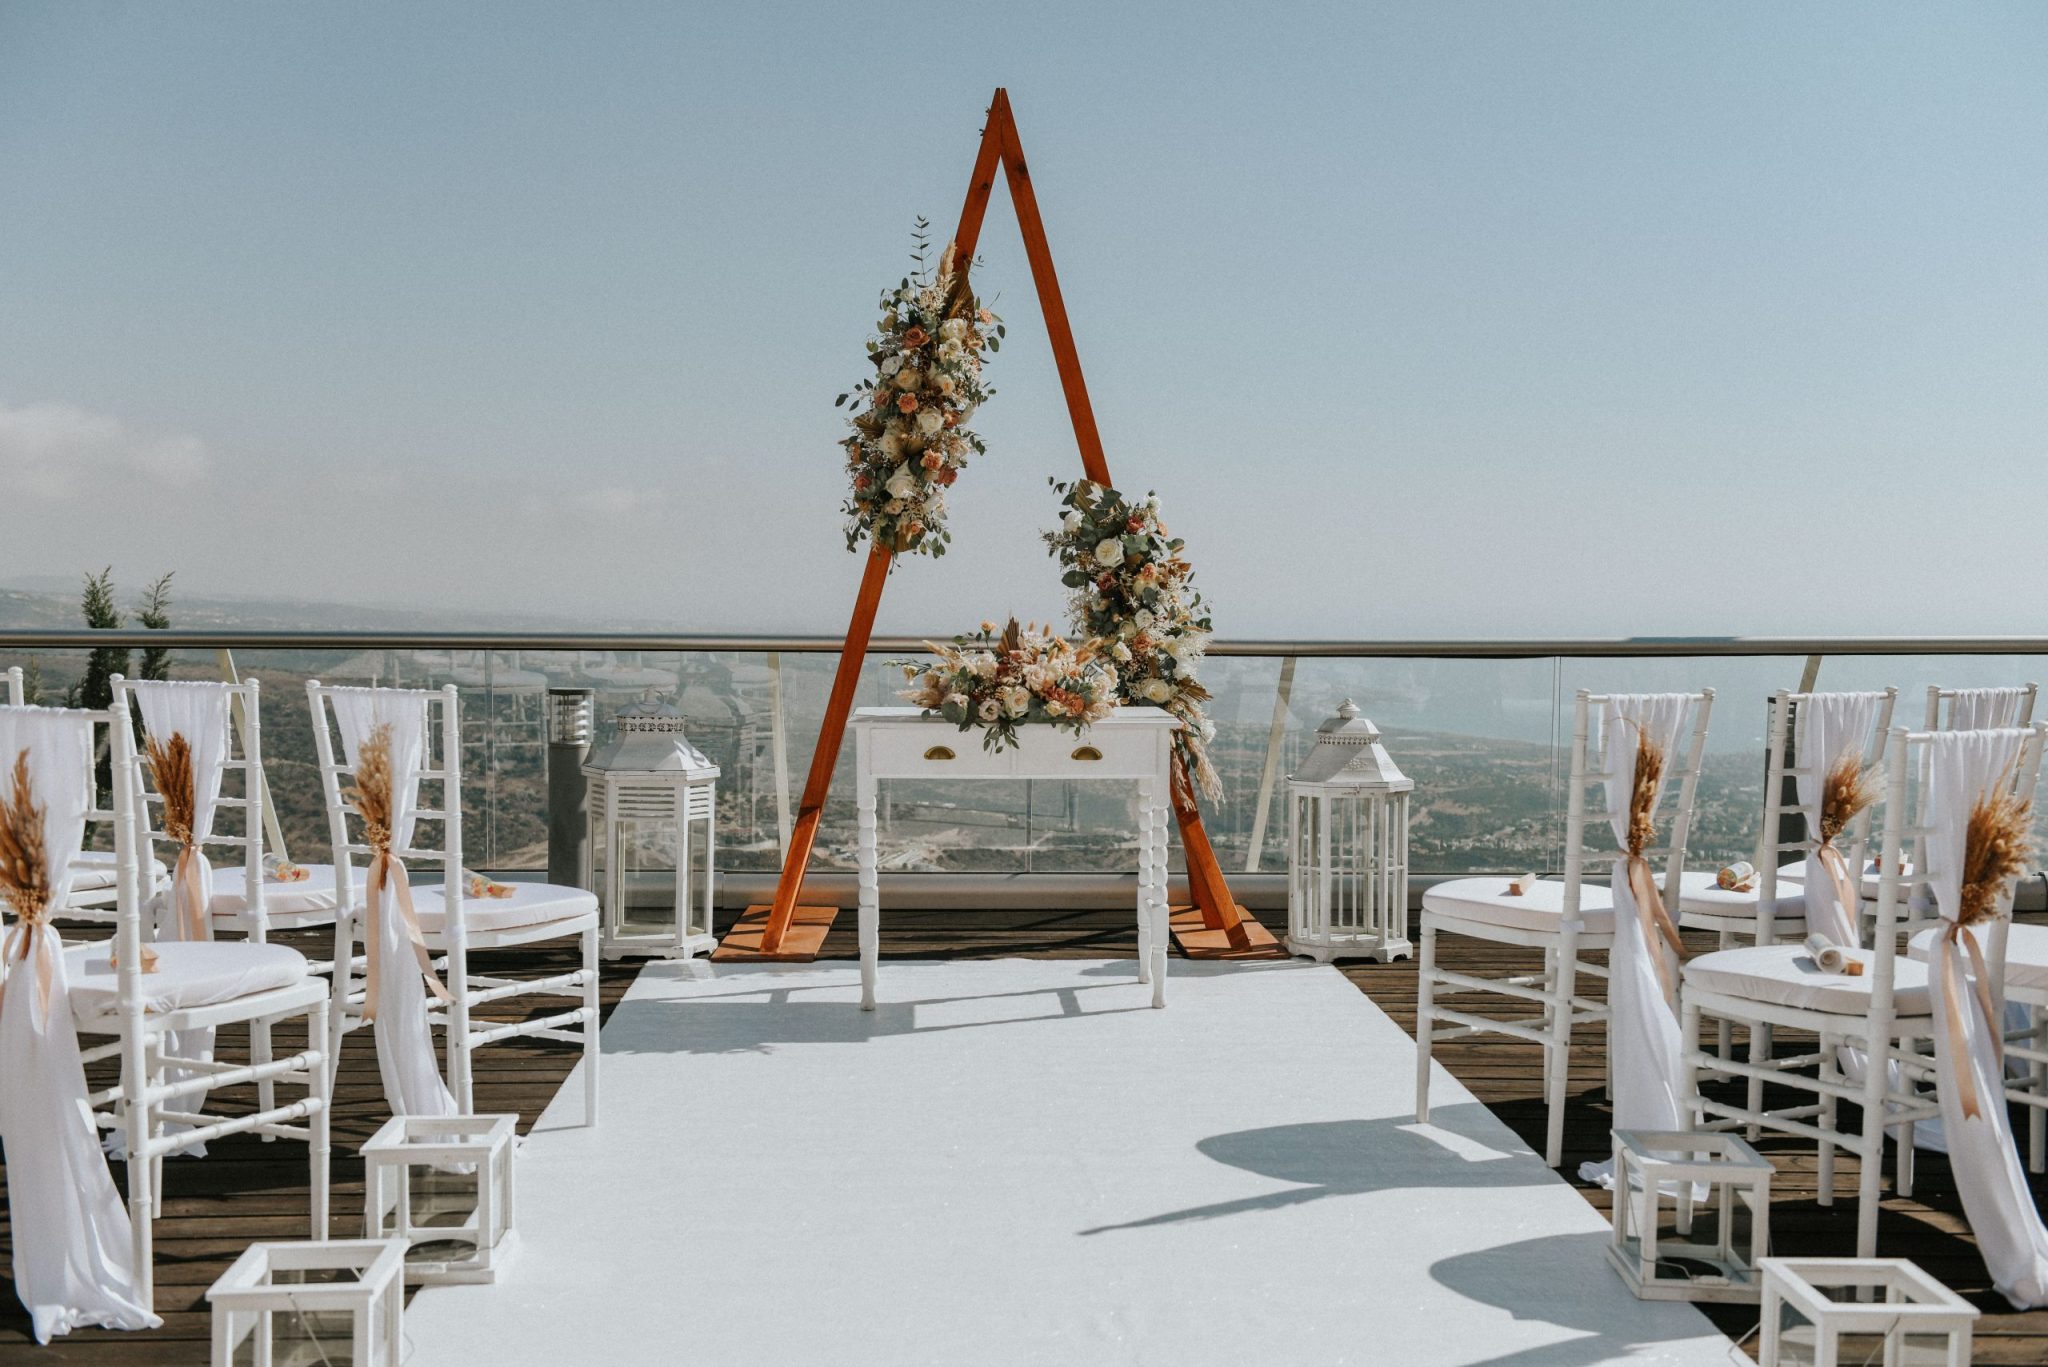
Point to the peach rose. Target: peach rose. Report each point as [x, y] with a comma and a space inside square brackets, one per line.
[917, 336]
[906, 403]
[932, 460]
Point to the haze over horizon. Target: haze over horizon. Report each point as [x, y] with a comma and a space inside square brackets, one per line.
[1474, 320]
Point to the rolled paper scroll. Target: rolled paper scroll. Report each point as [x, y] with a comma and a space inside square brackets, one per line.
[476, 885]
[1832, 958]
[1737, 877]
[281, 870]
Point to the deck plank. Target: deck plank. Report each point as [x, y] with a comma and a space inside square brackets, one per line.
[247, 1190]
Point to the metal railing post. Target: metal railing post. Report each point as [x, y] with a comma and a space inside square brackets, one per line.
[1276, 735]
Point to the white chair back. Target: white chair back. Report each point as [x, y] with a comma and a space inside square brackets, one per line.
[1783, 768]
[440, 779]
[1905, 901]
[1951, 709]
[242, 749]
[1674, 816]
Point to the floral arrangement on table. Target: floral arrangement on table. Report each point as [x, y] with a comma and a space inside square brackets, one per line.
[910, 439]
[1133, 596]
[999, 683]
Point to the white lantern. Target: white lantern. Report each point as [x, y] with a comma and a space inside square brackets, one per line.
[1830, 1312]
[1719, 1193]
[319, 1301]
[1347, 846]
[442, 1185]
[653, 803]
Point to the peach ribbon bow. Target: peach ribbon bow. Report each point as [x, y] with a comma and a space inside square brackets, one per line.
[388, 872]
[1964, 1069]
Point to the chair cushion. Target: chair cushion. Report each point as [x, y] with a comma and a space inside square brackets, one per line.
[188, 974]
[1786, 975]
[310, 896]
[93, 871]
[1541, 908]
[530, 904]
[2026, 953]
[1699, 892]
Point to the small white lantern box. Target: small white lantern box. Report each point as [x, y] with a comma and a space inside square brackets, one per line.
[653, 819]
[1347, 846]
[322, 1301]
[443, 1186]
[1709, 1247]
[1814, 1315]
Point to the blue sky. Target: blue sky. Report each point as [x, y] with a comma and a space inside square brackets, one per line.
[1503, 319]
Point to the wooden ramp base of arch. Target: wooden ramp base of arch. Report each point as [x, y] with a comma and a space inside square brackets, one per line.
[1215, 926]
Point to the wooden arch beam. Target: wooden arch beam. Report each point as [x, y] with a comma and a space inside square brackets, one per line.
[785, 930]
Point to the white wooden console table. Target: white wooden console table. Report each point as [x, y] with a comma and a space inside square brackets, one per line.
[1131, 745]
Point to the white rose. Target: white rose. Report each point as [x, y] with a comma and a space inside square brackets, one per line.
[953, 329]
[890, 365]
[952, 353]
[906, 378]
[990, 711]
[1144, 617]
[1121, 652]
[1127, 630]
[891, 444]
[1154, 690]
[983, 664]
[902, 484]
[1055, 708]
[944, 383]
[929, 422]
[1186, 648]
[1071, 523]
[1016, 701]
[1109, 551]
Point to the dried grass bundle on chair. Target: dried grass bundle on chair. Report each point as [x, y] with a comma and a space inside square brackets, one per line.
[1647, 781]
[1997, 843]
[24, 871]
[170, 768]
[1848, 790]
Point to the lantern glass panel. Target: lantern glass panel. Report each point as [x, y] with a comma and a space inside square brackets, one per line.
[442, 1207]
[303, 1338]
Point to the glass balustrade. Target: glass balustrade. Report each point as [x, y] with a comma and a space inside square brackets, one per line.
[1487, 742]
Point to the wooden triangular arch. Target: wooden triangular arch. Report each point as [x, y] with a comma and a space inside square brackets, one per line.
[783, 929]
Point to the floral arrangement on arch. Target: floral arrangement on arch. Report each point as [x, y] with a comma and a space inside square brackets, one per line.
[1133, 597]
[999, 683]
[910, 439]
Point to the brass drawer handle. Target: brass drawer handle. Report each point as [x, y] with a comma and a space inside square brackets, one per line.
[1086, 752]
[939, 752]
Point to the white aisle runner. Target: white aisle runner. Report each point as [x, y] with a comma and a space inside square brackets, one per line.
[1020, 1162]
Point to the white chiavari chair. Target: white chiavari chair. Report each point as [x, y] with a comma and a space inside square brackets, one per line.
[1564, 917]
[140, 996]
[453, 924]
[1883, 1012]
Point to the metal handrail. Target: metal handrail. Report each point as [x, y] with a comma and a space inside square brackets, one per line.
[1619, 647]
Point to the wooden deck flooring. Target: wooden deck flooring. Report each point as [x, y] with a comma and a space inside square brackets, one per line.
[247, 1190]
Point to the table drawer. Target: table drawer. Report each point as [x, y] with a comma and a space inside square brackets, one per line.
[937, 752]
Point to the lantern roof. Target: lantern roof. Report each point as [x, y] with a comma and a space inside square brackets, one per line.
[1348, 754]
[648, 739]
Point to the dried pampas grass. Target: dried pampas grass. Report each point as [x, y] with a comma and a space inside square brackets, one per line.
[24, 861]
[1849, 789]
[1642, 798]
[170, 768]
[1996, 846]
[371, 797]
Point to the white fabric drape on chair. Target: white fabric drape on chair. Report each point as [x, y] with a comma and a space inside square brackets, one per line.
[405, 1043]
[1829, 727]
[1961, 767]
[1984, 709]
[198, 712]
[73, 1255]
[1644, 1042]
